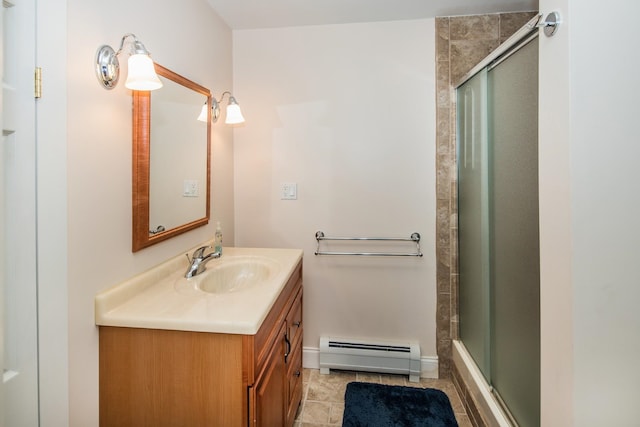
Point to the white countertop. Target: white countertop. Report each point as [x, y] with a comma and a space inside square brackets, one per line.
[162, 298]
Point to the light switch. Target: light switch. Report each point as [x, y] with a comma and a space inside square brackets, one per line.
[289, 191]
[190, 188]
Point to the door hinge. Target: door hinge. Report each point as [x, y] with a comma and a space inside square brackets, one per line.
[38, 83]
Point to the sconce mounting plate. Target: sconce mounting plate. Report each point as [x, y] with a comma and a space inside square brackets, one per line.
[215, 110]
[107, 67]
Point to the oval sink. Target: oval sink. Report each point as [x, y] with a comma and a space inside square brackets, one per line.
[233, 275]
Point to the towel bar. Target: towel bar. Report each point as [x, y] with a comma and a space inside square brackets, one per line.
[415, 237]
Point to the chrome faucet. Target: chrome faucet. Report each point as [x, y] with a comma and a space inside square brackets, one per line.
[198, 261]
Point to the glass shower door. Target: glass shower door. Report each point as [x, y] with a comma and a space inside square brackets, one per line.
[515, 255]
[473, 220]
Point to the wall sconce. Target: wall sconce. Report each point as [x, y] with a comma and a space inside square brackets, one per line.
[234, 115]
[141, 75]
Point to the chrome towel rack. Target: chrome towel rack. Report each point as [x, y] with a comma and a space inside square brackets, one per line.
[415, 237]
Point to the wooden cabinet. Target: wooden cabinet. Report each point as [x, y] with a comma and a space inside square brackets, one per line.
[280, 375]
[267, 395]
[154, 377]
[294, 359]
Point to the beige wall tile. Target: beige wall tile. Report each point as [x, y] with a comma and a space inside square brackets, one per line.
[442, 39]
[512, 22]
[465, 54]
[474, 27]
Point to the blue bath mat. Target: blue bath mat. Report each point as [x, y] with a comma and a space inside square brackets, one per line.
[379, 405]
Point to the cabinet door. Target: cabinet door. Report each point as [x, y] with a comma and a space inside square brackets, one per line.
[294, 361]
[268, 394]
[294, 320]
[294, 383]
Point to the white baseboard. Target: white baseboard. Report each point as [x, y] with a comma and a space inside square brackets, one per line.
[429, 367]
[428, 364]
[311, 357]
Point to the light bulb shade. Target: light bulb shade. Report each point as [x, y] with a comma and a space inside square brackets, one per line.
[142, 75]
[203, 113]
[234, 115]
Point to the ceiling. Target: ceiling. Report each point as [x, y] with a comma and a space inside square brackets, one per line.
[248, 14]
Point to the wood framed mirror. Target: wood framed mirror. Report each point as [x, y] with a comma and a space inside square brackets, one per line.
[171, 160]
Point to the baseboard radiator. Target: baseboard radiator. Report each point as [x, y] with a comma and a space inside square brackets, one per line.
[358, 355]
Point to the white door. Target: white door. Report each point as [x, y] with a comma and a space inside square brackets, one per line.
[18, 230]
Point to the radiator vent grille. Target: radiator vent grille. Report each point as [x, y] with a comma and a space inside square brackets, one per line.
[361, 346]
[359, 355]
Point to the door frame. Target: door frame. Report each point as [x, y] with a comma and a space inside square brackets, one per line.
[2, 236]
[51, 131]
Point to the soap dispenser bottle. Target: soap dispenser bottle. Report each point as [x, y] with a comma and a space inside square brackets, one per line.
[218, 239]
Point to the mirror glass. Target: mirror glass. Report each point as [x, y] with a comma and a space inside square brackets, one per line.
[171, 160]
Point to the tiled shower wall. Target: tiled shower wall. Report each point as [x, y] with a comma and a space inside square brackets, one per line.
[461, 42]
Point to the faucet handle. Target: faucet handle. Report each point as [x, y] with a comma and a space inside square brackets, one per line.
[199, 253]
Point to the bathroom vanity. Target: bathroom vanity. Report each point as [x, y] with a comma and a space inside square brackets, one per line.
[221, 349]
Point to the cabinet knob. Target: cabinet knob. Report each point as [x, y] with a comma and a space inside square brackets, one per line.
[297, 374]
[297, 324]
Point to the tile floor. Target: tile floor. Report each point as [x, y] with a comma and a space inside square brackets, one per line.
[323, 395]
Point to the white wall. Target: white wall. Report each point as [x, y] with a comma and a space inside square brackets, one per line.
[186, 37]
[556, 291]
[348, 113]
[590, 206]
[605, 211]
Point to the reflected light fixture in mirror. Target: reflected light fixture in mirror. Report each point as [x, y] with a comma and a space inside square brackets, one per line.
[141, 75]
[203, 113]
[234, 115]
